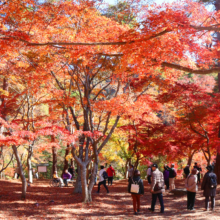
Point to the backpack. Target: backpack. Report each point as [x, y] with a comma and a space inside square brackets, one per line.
[135, 187]
[105, 175]
[212, 181]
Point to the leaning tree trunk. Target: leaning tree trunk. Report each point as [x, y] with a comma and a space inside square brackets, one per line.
[23, 179]
[30, 171]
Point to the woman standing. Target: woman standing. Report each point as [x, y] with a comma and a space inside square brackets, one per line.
[192, 188]
[136, 180]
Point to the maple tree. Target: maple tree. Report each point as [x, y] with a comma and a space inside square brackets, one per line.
[91, 71]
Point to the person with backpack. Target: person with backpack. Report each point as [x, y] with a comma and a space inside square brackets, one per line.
[136, 188]
[102, 179]
[209, 185]
[192, 188]
[157, 188]
[110, 172]
[172, 175]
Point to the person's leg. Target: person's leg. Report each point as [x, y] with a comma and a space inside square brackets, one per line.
[134, 202]
[108, 181]
[207, 202]
[111, 180]
[65, 182]
[193, 196]
[160, 197]
[148, 179]
[100, 183]
[104, 183]
[188, 200]
[170, 183]
[153, 202]
[213, 202]
[174, 187]
[138, 202]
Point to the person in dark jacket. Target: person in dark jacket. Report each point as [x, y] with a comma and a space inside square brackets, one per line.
[71, 171]
[172, 175]
[136, 179]
[209, 191]
[166, 176]
[186, 171]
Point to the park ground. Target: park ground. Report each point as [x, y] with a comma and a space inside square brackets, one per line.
[115, 205]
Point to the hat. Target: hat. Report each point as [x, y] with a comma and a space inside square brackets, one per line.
[155, 165]
[194, 171]
[209, 167]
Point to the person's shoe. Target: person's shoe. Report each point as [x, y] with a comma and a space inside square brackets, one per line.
[206, 210]
[97, 192]
[138, 210]
[135, 213]
[150, 209]
[107, 191]
[161, 211]
[192, 209]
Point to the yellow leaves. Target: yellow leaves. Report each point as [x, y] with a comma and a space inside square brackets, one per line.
[4, 92]
[69, 157]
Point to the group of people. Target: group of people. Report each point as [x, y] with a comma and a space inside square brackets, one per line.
[158, 180]
[104, 175]
[169, 175]
[66, 177]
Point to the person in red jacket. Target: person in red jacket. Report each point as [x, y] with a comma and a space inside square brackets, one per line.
[110, 171]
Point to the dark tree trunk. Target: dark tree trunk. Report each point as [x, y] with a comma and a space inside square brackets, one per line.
[24, 183]
[54, 150]
[217, 164]
[66, 165]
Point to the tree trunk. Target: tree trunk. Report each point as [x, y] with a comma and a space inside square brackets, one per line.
[24, 184]
[66, 165]
[54, 150]
[85, 192]
[217, 164]
[30, 171]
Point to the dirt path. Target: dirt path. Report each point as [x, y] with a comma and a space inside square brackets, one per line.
[115, 205]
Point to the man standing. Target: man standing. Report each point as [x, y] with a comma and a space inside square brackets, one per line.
[130, 172]
[110, 172]
[172, 175]
[157, 188]
[102, 180]
[209, 185]
[186, 171]
[149, 175]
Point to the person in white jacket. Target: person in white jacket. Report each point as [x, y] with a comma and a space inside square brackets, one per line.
[192, 188]
[102, 181]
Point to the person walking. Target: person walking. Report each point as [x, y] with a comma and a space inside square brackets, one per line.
[157, 188]
[102, 180]
[149, 175]
[172, 175]
[166, 174]
[192, 188]
[186, 171]
[209, 185]
[130, 172]
[110, 171]
[136, 195]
